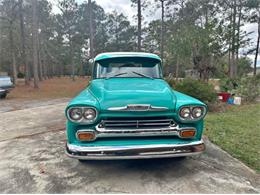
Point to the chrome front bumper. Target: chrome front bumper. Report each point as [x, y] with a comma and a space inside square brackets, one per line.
[138, 132]
[134, 151]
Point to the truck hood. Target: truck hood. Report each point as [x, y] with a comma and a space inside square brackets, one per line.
[120, 92]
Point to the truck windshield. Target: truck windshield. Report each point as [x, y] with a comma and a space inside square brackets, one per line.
[128, 67]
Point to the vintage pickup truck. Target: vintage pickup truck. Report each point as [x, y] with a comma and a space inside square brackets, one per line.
[6, 85]
[128, 111]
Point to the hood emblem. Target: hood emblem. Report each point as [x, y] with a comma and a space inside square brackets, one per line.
[138, 107]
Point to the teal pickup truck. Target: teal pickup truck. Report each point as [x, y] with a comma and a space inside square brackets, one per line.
[130, 112]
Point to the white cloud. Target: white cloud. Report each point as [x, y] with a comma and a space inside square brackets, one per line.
[118, 5]
[121, 6]
[126, 7]
[55, 8]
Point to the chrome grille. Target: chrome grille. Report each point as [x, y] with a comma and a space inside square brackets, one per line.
[134, 123]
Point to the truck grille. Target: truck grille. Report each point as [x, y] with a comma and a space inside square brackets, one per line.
[137, 124]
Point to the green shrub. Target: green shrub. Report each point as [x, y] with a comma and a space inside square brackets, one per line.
[20, 75]
[228, 85]
[171, 82]
[257, 77]
[197, 89]
[249, 88]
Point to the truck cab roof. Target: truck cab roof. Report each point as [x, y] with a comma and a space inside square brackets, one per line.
[108, 55]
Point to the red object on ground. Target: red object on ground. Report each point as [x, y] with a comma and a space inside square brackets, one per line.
[223, 96]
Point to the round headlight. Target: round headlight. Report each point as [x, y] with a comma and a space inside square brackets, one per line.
[185, 112]
[197, 112]
[75, 114]
[89, 114]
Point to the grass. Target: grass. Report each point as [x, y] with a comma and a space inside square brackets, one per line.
[49, 89]
[237, 131]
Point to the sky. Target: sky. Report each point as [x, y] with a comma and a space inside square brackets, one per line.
[125, 7]
[121, 6]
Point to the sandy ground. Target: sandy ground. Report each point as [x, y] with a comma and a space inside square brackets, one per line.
[7, 105]
[32, 154]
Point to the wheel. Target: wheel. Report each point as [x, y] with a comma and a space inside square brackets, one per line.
[3, 96]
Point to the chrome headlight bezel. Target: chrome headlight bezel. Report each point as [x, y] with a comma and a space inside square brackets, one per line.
[83, 119]
[192, 117]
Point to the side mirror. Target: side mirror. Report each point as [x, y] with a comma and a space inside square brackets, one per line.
[90, 61]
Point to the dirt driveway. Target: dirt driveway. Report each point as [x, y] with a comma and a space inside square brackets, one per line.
[33, 161]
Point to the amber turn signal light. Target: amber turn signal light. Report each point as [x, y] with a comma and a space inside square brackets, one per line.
[86, 136]
[188, 133]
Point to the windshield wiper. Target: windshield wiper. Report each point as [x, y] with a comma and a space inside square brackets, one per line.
[116, 75]
[143, 75]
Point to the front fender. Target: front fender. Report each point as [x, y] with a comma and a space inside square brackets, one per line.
[185, 100]
[85, 98]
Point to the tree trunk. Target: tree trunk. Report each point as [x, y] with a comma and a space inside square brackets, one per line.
[52, 70]
[229, 42]
[71, 57]
[162, 29]
[44, 67]
[229, 58]
[238, 34]
[73, 72]
[22, 37]
[177, 69]
[139, 18]
[81, 67]
[40, 67]
[39, 57]
[257, 46]
[233, 48]
[91, 40]
[35, 38]
[1, 48]
[12, 50]
[14, 68]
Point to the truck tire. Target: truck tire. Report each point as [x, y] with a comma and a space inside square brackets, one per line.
[3, 96]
